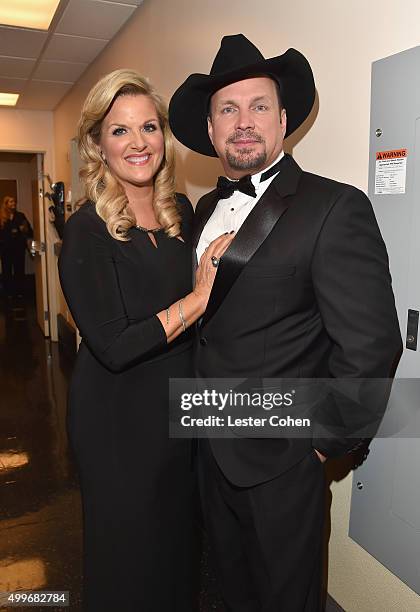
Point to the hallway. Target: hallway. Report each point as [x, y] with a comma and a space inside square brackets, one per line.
[40, 528]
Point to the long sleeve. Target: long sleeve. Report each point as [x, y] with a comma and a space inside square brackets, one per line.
[353, 289]
[90, 285]
[29, 233]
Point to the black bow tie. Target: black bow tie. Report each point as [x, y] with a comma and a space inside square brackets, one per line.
[226, 188]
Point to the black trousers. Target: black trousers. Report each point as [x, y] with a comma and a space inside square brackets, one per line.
[267, 539]
[13, 270]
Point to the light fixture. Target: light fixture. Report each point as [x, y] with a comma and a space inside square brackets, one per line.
[35, 14]
[8, 99]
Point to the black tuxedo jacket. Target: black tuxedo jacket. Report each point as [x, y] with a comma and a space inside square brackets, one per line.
[304, 291]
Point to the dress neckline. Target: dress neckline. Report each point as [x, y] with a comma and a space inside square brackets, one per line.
[153, 230]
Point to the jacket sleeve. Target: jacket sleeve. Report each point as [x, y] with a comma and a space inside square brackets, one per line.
[30, 232]
[90, 285]
[353, 289]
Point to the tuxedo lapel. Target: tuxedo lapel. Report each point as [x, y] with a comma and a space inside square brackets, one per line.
[255, 229]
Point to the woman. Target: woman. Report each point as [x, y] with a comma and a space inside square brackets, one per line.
[15, 231]
[125, 270]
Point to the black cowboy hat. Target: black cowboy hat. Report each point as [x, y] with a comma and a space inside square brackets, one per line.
[239, 59]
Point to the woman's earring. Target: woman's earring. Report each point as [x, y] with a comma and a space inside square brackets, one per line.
[103, 159]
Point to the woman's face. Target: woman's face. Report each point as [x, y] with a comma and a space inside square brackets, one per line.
[10, 205]
[132, 141]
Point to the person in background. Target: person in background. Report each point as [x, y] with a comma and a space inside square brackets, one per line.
[126, 273]
[15, 231]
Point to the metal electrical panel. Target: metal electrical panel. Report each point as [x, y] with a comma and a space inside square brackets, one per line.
[385, 507]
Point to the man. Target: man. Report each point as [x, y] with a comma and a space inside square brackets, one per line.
[303, 291]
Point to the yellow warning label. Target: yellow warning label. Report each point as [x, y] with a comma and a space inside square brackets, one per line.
[396, 153]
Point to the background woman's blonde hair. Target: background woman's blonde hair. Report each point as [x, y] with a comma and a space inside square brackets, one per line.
[4, 214]
[101, 187]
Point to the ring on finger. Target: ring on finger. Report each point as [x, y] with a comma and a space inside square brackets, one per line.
[215, 261]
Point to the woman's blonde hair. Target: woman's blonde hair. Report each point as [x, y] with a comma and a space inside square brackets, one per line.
[101, 187]
[4, 215]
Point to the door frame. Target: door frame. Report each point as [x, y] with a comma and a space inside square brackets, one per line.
[51, 238]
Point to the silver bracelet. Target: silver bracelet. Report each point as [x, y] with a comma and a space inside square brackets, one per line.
[181, 316]
[167, 316]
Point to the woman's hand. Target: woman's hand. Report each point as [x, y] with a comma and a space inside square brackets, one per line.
[183, 313]
[206, 271]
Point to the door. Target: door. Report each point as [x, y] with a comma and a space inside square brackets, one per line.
[8, 188]
[39, 244]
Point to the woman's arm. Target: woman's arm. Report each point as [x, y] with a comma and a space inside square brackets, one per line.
[90, 285]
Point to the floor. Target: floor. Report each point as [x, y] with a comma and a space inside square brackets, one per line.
[40, 525]
[40, 511]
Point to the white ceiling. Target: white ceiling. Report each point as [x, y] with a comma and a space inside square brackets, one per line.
[43, 66]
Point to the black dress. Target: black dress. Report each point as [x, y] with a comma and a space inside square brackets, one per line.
[137, 484]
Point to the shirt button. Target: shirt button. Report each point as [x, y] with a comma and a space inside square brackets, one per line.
[203, 341]
[232, 209]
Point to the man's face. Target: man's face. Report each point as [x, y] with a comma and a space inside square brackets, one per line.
[246, 126]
